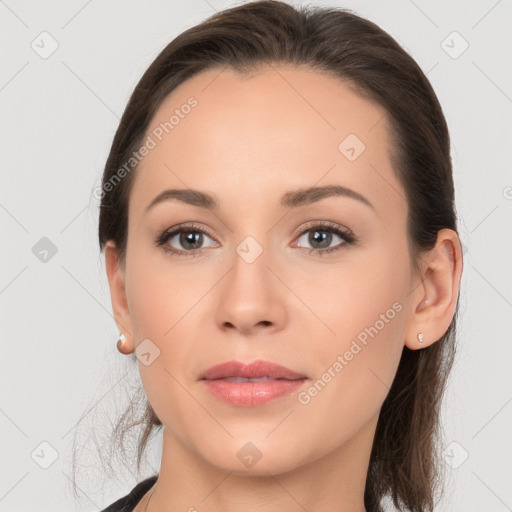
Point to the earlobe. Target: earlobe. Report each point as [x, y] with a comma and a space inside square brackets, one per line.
[116, 281]
[435, 299]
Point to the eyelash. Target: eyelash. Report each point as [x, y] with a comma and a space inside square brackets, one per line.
[347, 235]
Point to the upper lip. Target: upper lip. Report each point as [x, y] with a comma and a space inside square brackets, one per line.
[252, 369]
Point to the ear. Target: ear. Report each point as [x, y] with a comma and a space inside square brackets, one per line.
[116, 281]
[434, 299]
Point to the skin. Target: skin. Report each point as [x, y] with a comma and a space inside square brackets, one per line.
[250, 139]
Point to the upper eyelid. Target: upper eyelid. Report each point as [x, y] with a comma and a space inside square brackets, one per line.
[309, 225]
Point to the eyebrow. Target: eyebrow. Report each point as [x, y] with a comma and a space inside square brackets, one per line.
[291, 199]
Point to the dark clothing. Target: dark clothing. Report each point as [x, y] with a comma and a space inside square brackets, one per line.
[128, 503]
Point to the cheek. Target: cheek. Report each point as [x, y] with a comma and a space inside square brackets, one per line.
[159, 293]
[161, 302]
[363, 305]
[356, 369]
[360, 299]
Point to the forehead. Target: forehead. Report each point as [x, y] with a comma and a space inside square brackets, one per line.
[255, 135]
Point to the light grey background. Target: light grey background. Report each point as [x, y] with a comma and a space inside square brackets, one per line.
[58, 336]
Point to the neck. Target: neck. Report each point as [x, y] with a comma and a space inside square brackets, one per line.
[334, 482]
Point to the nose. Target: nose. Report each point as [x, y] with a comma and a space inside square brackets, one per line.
[251, 301]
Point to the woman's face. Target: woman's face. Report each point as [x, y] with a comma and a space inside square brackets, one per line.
[267, 276]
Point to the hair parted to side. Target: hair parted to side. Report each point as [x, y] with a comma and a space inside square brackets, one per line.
[405, 459]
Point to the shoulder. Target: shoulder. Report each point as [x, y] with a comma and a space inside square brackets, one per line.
[127, 503]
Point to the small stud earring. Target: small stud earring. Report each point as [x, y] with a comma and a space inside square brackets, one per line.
[420, 337]
[121, 345]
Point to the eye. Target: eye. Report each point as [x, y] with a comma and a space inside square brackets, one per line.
[190, 237]
[321, 234]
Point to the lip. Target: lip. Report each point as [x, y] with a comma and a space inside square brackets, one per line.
[278, 381]
[253, 369]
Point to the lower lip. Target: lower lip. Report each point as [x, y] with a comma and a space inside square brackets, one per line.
[251, 394]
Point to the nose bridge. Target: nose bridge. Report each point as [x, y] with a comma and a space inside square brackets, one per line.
[250, 294]
[249, 274]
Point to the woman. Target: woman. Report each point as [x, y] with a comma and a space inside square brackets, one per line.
[277, 215]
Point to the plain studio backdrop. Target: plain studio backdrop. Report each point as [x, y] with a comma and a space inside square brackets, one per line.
[68, 69]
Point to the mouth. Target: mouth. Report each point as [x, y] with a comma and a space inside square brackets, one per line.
[251, 384]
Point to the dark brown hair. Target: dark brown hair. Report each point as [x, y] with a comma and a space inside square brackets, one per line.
[404, 463]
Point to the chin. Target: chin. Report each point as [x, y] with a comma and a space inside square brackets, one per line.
[257, 457]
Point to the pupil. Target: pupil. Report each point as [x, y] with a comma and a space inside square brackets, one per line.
[322, 238]
[190, 237]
